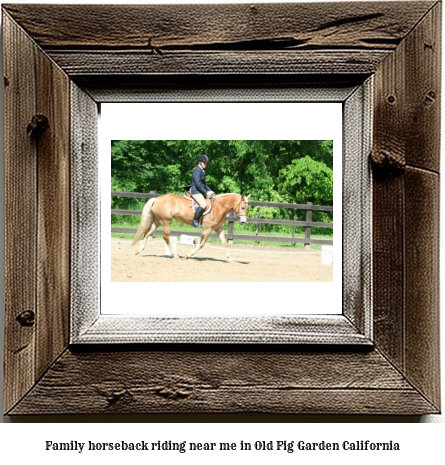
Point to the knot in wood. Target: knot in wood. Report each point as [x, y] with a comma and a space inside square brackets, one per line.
[173, 393]
[387, 162]
[430, 97]
[114, 397]
[26, 318]
[37, 126]
[113, 394]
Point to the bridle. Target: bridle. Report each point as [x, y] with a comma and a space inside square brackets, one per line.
[239, 205]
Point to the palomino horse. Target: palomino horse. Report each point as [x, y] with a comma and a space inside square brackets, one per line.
[161, 210]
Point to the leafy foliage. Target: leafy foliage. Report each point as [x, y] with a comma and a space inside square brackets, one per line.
[295, 171]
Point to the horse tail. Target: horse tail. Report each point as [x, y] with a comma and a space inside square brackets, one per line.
[146, 221]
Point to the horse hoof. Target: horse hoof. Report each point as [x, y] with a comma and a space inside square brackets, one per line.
[230, 260]
[176, 257]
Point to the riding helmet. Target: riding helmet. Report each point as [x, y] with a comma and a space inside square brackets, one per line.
[203, 158]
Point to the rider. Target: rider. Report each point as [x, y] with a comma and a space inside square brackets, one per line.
[200, 188]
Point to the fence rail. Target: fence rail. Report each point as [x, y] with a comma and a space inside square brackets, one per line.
[231, 219]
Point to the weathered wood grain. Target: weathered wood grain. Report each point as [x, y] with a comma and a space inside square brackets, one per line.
[243, 26]
[37, 214]
[423, 92]
[407, 113]
[161, 381]
[388, 156]
[53, 206]
[20, 213]
[334, 329]
[356, 212]
[226, 39]
[422, 324]
[407, 135]
[122, 63]
[85, 211]
[219, 87]
[388, 268]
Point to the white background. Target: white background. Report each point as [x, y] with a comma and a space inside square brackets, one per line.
[24, 443]
[218, 121]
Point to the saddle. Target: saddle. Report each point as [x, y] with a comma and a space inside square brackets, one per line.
[195, 205]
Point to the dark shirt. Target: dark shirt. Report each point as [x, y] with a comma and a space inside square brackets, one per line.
[199, 185]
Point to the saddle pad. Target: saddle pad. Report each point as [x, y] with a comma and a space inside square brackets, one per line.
[195, 206]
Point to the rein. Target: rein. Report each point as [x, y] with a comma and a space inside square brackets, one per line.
[219, 203]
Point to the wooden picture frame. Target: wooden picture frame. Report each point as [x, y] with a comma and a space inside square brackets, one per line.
[76, 56]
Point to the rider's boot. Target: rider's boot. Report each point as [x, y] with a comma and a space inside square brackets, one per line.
[198, 214]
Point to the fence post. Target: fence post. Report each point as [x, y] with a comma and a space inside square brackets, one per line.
[231, 220]
[307, 234]
[293, 231]
[257, 229]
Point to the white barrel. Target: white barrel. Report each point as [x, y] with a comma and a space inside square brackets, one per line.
[327, 254]
[186, 240]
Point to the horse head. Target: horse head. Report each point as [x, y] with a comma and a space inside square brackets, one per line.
[241, 209]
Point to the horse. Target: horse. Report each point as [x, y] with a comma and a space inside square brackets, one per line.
[161, 210]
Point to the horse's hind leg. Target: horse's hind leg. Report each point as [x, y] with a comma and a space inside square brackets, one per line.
[167, 241]
[150, 231]
[222, 237]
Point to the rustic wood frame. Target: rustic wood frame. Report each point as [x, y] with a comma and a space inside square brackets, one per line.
[68, 58]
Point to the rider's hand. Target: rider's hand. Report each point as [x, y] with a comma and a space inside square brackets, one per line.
[210, 194]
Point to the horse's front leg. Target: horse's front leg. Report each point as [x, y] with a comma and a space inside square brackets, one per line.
[166, 228]
[222, 237]
[204, 236]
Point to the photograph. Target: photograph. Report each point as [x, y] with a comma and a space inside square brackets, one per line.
[270, 243]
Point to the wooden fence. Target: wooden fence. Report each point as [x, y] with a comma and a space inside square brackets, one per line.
[232, 218]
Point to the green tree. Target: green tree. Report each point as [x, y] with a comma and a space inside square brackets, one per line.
[307, 180]
[295, 171]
